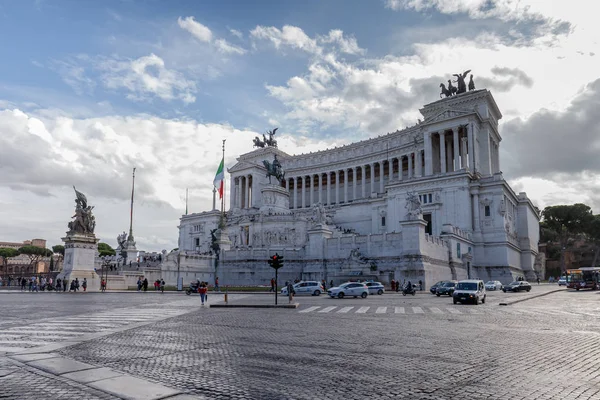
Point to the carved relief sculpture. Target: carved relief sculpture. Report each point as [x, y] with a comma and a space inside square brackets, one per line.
[413, 206]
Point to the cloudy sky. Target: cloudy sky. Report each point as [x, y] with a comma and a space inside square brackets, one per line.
[91, 89]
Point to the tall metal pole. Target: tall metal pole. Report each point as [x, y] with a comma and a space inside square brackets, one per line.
[223, 197]
[130, 238]
[186, 201]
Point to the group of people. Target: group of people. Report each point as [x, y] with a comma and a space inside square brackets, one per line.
[397, 285]
[35, 284]
[159, 284]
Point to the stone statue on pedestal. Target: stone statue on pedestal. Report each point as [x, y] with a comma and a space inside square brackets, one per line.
[274, 169]
[84, 221]
[413, 207]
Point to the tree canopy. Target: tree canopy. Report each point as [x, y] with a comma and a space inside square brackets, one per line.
[59, 249]
[105, 250]
[6, 253]
[35, 253]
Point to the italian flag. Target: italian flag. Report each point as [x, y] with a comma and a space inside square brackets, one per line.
[220, 179]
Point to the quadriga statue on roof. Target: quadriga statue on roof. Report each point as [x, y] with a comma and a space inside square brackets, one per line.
[461, 86]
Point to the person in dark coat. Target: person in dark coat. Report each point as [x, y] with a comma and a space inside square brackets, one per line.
[145, 284]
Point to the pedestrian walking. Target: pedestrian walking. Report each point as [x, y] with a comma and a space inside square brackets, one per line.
[397, 285]
[217, 289]
[65, 283]
[103, 285]
[84, 284]
[331, 283]
[272, 285]
[393, 284]
[145, 284]
[139, 284]
[420, 284]
[324, 284]
[538, 280]
[162, 285]
[202, 290]
[76, 284]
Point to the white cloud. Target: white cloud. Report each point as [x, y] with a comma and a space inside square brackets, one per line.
[194, 27]
[347, 45]
[288, 36]
[227, 48]
[145, 77]
[97, 155]
[236, 33]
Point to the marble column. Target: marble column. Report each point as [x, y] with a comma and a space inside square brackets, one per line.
[443, 152]
[295, 189]
[303, 188]
[372, 168]
[328, 182]
[471, 144]
[364, 178]
[419, 164]
[312, 190]
[400, 167]
[456, 150]
[345, 185]
[428, 154]
[337, 186]
[354, 183]
[390, 170]
[463, 159]
[247, 191]
[410, 165]
[476, 212]
[449, 161]
[321, 188]
[381, 174]
[238, 193]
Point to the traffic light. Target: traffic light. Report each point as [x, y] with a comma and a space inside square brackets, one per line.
[276, 261]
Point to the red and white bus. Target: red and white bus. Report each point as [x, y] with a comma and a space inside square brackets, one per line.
[583, 278]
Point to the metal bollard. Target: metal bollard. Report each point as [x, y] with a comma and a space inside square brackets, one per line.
[291, 297]
[225, 295]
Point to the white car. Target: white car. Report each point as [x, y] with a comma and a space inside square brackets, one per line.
[493, 285]
[375, 287]
[469, 291]
[312, 288]
[562, 281]
[349, 289]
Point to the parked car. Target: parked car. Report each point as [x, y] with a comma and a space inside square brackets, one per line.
[493, 285]
[469, 291]
[375, 287]
[517, 286]
[349, 289]
[312, 288]
[447, 288]
[433, 288]
[562, 281]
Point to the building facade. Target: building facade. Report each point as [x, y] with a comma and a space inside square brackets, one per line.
[21, 265]
[425, 203]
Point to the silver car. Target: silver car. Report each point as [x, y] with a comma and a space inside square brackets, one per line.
[349, 289]
[375, 287]
[312, 288]
[493, 285]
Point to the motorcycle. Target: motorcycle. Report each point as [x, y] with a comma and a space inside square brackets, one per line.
[408, 290]
[193, 288]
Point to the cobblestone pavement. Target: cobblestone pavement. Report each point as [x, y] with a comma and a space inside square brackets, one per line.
[540, 349]
[543, 348]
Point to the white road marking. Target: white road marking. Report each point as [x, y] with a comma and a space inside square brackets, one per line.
[310, 309]
[362, 310]
[381, 310]
[345, 309]
[327, 309]
[418, 310]
[399, 310]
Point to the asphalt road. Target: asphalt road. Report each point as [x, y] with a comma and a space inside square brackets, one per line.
[388, 346]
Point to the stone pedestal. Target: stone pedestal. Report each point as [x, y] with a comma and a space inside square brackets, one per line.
[79, 261]
[413, 236]
[275, 200]
[131, 251]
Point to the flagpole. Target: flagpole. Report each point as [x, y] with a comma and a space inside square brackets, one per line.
[223, 197]
[186, 201]
[130, 239]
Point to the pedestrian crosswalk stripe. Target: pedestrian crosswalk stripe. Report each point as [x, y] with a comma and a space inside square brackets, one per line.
[399, 310]
[381, 310]
[345, 309]
[327, 309]
[309, 309]
[418, 310]
[453, 310]
[436, 310]
[362, 310]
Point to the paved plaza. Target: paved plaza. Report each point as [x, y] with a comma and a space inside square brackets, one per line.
[153, 346]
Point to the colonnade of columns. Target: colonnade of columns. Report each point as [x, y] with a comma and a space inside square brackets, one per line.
[243, 192]
[348, 184]
[449, 150]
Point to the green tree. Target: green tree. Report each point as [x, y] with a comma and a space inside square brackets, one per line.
[51, 268]
[35, 253]
[59, 249]
[567, 221]
[5, 254]
[593, 233]
[105, 250]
